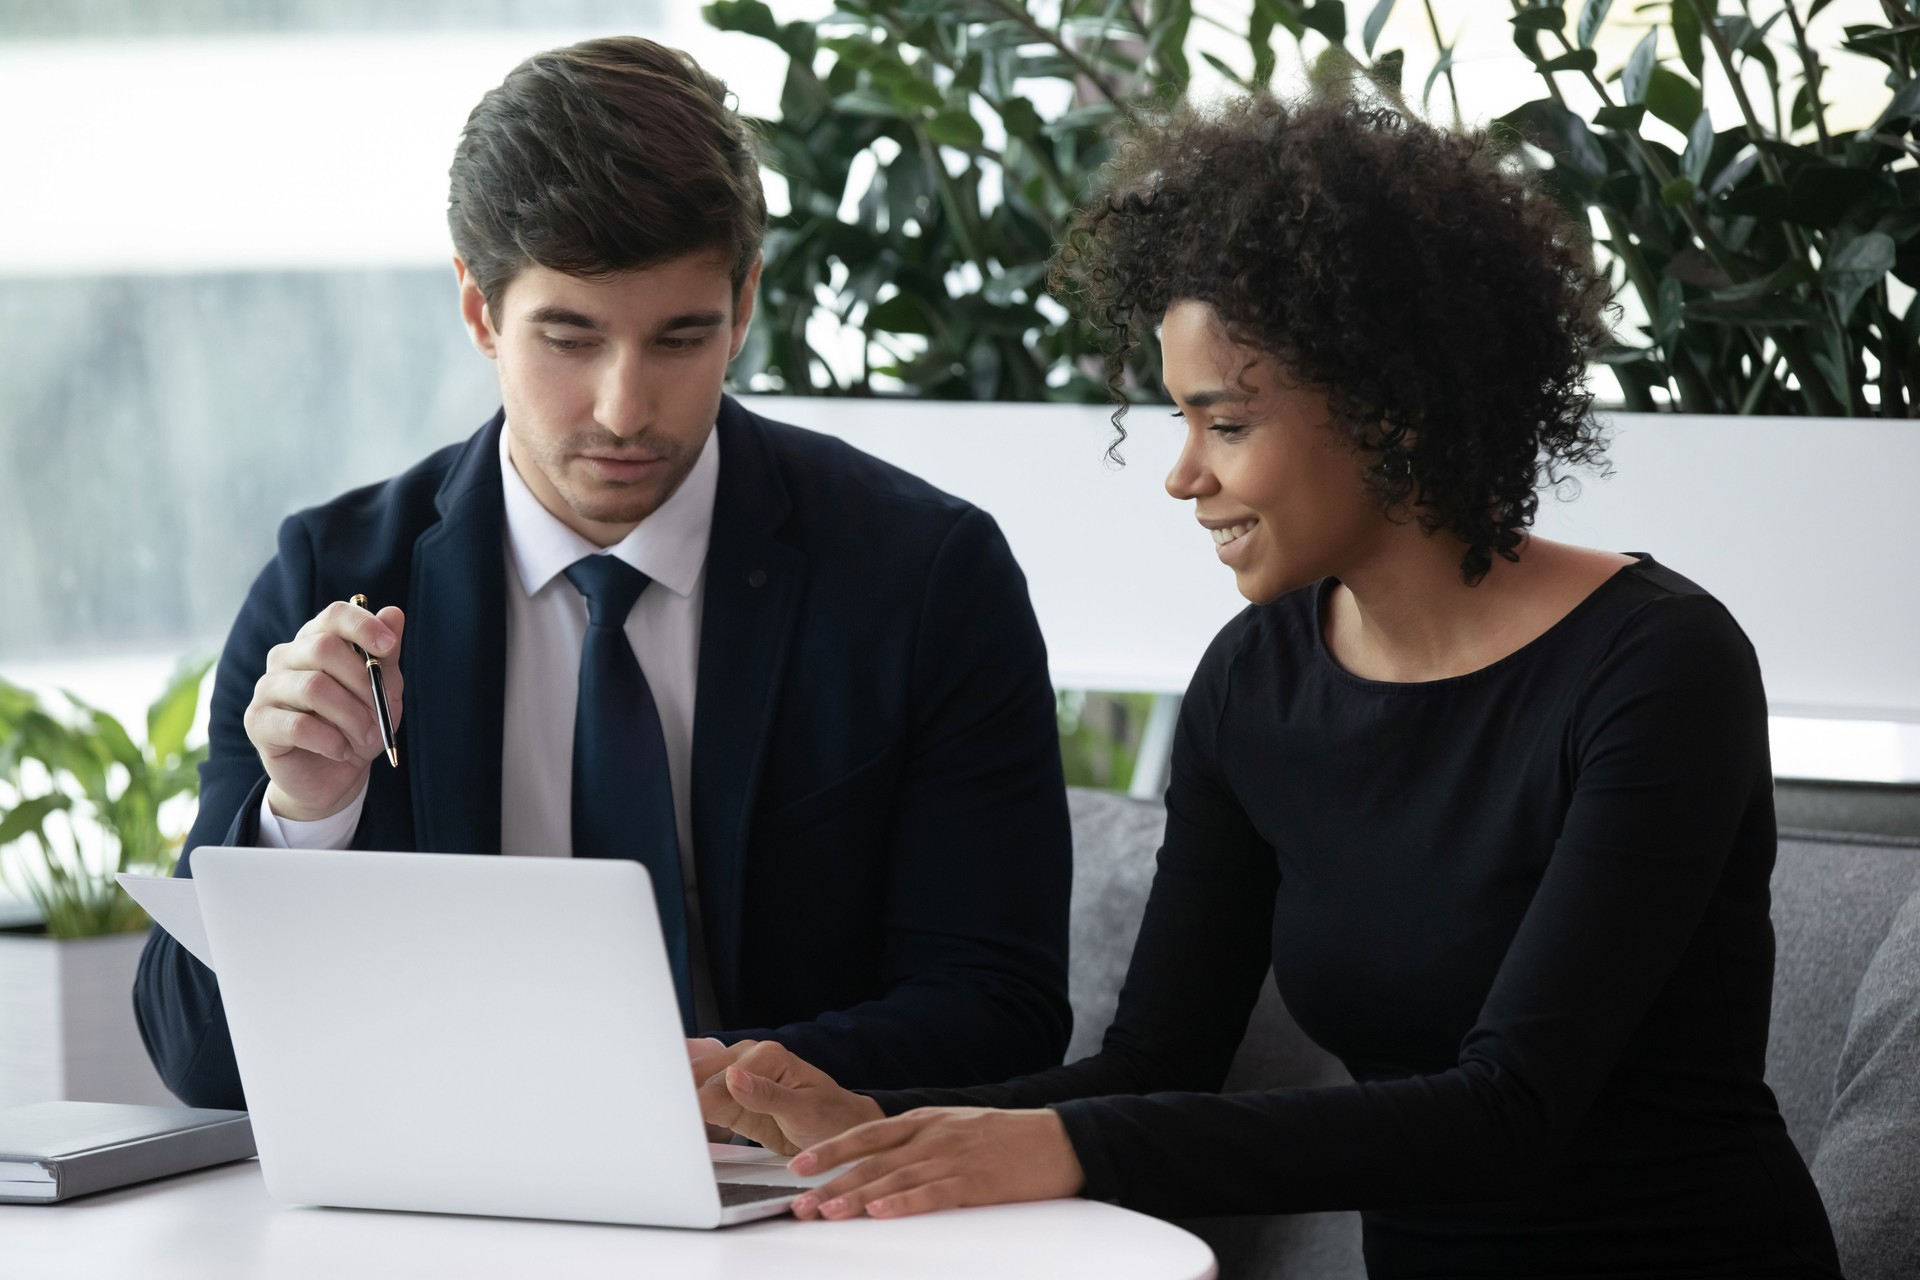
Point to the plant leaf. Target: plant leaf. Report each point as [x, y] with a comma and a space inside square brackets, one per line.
[1626, 119]
[169, 719]
[1389, 67]
[751, 17]
[1821, 196]
[26, 818]
[1260, 21]
[1666, 314]
[1790, 276]
[1677, 191]
[1693, 161]
[902, 313]
[1635, 75]
[1546, 18]
[1549, 125]
[1329, 18]
[1592, 14]
[1848, 274]
[1672, 98]
[1686, 36]
[1440, 68]
[1578, 60]
[1224, 69]
[1370, 31]
[955, 128]
[1772, 311]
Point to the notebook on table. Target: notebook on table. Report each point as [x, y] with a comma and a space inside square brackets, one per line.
[52, 1151]
[483, 1035]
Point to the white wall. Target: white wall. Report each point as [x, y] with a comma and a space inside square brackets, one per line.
[1805, 528]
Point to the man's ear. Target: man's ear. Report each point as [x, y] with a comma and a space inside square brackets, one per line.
[743, 307]
[474, 313]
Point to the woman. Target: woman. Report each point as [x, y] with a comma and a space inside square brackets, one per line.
[1497, 811]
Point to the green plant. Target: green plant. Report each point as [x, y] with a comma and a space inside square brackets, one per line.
[1100, 736]
[1760, 251]
[81, 800]
[956, 135]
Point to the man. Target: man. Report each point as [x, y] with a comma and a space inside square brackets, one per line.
[804, 688]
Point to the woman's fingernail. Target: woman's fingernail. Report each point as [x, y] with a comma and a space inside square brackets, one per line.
[802, 1163]
[837, 1205]
[879, 1208]
[804, 1206]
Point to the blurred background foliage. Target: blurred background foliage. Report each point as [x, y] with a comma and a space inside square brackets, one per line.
[1100, 736]
[1761, 251]
[80, 800]
[934, 148]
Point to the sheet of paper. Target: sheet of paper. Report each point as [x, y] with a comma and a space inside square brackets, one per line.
[174, 904]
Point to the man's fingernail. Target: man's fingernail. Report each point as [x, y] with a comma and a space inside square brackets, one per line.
[382, 640]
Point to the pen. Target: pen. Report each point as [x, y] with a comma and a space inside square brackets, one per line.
[379, 696]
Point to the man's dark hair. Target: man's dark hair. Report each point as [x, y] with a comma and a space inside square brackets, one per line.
[1435, 292]
[606, 156]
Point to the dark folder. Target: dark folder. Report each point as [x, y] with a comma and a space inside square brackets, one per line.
[56, 1150]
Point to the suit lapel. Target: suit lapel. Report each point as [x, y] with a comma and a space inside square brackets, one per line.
[456, 657]
[755, 583]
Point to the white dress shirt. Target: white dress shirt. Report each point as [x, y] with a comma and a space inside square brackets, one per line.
[546, 627]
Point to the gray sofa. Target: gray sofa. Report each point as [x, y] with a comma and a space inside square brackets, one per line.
[1834, 897]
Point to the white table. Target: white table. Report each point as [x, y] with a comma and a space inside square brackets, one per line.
[219, 1224]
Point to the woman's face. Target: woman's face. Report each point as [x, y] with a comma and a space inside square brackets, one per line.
[1282, 492]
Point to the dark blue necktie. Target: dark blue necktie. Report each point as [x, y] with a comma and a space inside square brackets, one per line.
[622, 795]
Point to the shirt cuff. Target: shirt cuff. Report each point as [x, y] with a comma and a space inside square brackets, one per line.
[332, 832]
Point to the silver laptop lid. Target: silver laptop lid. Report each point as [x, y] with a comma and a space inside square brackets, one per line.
[458, 1034]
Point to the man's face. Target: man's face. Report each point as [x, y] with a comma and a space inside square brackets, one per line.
[610, 386]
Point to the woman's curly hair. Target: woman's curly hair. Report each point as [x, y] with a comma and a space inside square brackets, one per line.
[1430, 287]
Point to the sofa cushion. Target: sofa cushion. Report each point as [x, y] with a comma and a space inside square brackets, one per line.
[1833, 898]
[1868, 1165]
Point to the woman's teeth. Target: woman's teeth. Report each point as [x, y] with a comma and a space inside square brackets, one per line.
[1222, 537]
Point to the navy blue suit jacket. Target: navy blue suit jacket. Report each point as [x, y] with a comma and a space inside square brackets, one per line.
[879, 822]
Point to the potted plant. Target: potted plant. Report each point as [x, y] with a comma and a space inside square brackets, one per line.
[959, 136]
[80, 800]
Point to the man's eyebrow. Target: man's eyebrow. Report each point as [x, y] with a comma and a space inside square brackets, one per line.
[1207, 399]
[693, 320]
[560, 315]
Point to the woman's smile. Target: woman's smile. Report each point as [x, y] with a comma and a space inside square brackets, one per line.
[1230, 541]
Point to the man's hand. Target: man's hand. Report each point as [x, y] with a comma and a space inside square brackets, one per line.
[312, 717]
[709, 1056]
[760, 1090]
[941, 1158]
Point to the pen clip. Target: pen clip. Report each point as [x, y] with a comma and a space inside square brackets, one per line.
[359, 600]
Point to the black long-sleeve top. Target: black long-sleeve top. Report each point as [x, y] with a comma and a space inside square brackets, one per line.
[1527, 907]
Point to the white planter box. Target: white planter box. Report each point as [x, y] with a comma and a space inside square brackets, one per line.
[1804, 527]
[66, 1022]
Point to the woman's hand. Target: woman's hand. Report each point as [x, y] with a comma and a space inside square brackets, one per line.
[941, 1158]
[760, 1090]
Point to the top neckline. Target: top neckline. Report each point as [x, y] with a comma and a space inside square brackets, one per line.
[1641, 561]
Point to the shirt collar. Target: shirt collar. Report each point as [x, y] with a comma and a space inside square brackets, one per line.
[669, 546]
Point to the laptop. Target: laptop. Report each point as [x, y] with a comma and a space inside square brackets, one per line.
[474, 1035]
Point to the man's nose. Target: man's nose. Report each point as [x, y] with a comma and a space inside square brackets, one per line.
[625, 403]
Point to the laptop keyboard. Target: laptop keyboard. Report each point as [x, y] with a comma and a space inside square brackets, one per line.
[733, 1193]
